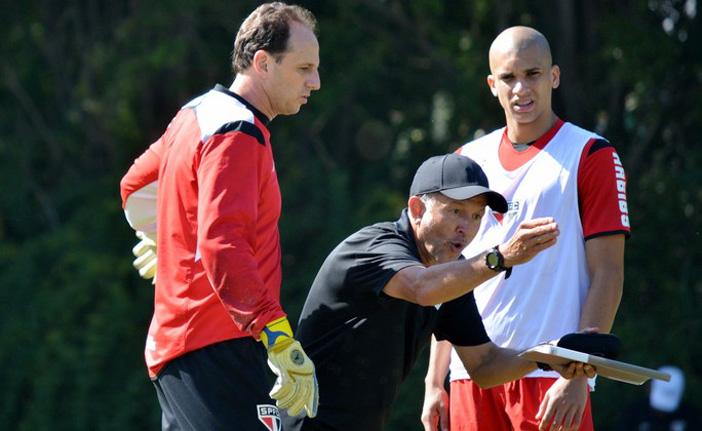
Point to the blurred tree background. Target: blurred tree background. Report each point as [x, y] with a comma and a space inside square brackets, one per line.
[88, 84]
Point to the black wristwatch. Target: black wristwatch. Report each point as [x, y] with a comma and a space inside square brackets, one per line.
[544, 366]
[495, 261]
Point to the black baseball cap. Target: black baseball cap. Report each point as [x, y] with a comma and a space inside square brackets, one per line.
[457, 177]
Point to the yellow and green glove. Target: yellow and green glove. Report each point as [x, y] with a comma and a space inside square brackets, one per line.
[145, 253]
[295, 388]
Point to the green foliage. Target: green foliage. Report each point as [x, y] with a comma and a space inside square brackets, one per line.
[74, 319]
[88, 85]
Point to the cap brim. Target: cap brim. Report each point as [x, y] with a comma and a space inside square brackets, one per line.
[494, 200]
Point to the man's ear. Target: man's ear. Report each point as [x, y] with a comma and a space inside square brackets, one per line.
[491, 84]
[555, 76]
[260, 61]
[416, 208]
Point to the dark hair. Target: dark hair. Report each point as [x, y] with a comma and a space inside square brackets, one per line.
[267, 28]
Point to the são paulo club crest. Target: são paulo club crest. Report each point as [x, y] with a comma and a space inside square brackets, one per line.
[512, 211]
[270, 417]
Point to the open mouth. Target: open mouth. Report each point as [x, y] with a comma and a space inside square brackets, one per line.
[457, 246]
[523, 106]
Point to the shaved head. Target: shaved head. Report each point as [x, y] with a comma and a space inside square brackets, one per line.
[518, 39]
[523, 77]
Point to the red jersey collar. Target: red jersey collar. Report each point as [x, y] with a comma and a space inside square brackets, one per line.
[512, 159]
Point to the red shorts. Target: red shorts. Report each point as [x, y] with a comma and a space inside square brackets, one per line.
[511, 406]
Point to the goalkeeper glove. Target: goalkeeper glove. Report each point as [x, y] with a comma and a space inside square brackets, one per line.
[145, 252]
[295, 388]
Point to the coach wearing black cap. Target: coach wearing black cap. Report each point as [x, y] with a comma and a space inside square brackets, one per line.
[373, 305]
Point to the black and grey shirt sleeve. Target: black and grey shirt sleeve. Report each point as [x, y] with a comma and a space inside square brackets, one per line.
[459, 322]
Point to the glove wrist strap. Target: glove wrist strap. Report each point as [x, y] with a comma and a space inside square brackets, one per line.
[277, 333]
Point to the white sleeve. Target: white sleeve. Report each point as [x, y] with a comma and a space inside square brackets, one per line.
[140, 209]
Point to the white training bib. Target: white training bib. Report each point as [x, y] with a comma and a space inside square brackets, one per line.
[543, 298]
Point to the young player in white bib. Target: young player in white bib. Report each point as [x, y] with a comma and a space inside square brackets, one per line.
[544, 167]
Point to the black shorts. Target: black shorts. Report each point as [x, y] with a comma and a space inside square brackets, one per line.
[223, 386]
[303, 423]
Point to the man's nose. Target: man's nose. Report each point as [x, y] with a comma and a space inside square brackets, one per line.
[462, 227]
[314, 83]
[520, 87]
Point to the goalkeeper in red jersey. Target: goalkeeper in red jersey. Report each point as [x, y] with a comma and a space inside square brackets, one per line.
[214, 228]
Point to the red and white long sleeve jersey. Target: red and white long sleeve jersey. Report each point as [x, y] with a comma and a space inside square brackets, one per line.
[216, 215]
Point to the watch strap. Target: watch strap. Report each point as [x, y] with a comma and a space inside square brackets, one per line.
[500, 266]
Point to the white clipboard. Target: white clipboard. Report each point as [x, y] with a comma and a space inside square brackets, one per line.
[609, 368]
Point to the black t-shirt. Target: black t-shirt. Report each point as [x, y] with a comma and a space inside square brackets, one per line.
[364, 342]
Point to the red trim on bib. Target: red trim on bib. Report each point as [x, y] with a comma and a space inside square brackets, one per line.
[512, 159]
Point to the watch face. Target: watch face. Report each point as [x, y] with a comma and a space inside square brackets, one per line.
[492, 260]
